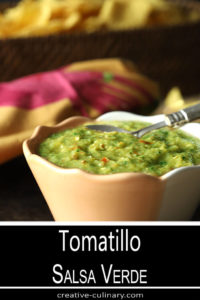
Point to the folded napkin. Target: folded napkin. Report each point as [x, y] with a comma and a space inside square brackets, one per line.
[85, 88]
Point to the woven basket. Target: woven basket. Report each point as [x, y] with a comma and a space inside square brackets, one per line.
[168, 54]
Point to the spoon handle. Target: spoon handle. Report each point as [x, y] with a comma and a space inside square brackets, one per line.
[193, 112]
[186, 115]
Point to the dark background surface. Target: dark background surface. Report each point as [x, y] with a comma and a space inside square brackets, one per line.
[20, 197]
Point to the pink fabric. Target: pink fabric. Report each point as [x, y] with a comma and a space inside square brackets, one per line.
[40, 89]
[37, 90]
[81, 88]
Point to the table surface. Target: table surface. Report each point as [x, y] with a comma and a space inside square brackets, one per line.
[20, 197]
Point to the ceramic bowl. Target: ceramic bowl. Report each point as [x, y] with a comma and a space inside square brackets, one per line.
[75, 195]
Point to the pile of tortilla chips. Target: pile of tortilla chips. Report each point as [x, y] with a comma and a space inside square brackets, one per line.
[43, 17]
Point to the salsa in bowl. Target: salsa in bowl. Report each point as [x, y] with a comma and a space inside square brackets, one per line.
[96, 193]
[157, 153]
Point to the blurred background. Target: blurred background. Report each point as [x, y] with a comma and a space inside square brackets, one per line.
[161, 37]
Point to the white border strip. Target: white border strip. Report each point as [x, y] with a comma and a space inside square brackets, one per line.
[100, 287]
[110, 223]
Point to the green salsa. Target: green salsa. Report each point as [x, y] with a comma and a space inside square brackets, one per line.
[97, 152]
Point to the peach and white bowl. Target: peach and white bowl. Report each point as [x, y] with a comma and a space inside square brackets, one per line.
[75, 195]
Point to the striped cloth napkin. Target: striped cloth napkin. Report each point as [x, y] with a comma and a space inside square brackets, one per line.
[88, 88]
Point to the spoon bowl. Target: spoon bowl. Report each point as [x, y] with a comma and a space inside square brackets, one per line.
[175, 119]
[139, 133]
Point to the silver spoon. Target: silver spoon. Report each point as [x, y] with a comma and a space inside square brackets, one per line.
[178, 118]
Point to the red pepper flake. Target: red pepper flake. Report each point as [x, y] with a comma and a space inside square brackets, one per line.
[145, 142]
[105, 160]
[74, 147]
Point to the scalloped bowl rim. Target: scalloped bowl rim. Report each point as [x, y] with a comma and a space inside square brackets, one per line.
[116, 115]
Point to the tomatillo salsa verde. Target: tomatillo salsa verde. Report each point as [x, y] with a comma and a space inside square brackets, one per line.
[97, 152]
